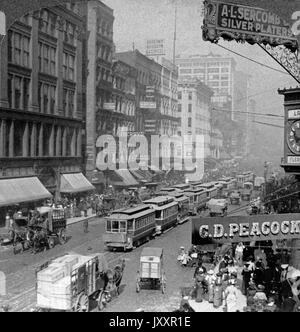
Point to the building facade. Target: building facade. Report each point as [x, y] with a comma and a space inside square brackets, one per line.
[41, 105]
[216, 71]
[194, 109]
[98, 54]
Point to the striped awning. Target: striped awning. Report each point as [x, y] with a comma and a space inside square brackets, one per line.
[75, 183]
[127, 180]
[22, 190]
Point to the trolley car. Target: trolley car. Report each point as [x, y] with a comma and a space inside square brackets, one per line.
[129, 227]
[211, 190]
[166, 211]
[198, 200]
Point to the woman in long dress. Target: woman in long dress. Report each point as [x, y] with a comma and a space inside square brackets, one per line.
[231, 297]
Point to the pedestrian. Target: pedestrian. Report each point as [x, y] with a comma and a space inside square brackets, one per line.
[200, 285]
[246, 274]
[231, 297]
[239, 251]
[210, 279]
[218, 291]
[85, 226]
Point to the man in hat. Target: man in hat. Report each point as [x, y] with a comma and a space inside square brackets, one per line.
[200, 268]
[224, 263]
[246, 274]
[200, 283]
[260, 297]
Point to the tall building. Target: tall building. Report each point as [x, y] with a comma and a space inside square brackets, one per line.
[98, 54]
[41, 109]
[156, 94]
[194, 109]
[216, 71]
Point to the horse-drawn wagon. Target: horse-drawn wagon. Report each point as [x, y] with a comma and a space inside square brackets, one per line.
[217, 207]
[72, 282]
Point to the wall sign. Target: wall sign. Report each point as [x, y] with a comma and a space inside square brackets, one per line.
[245, 228]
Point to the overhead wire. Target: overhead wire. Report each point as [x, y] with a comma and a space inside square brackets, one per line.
[252, 60]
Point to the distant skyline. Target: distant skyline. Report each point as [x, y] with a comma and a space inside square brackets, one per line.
[136, 21]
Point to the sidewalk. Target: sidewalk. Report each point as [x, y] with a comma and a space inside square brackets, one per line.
[76, 220]
[70, 221]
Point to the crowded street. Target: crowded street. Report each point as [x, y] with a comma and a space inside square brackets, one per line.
[149, 156]
[20, 269]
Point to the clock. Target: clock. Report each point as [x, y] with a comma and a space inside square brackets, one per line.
[293, 137]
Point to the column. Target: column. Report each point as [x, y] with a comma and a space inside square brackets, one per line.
[64, 145]
[4, 74]
[26, 140]
[41, 140]
[78, 104]
[33, 139]
[79, 143]
[51, 141]
[11, 139]
[34, 50]
[2, 138]
[58, 142]
[59, 64]
[73, 143]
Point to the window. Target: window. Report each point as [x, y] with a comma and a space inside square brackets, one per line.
[69, 33]
[69, 67]
[190, 108]
[69, 102]
[17, 88]
[47, 59]
[179, 95]
[47, 98]
[179, 108]
[190, 96]
[185, 71]
[189, 122]
[17, 48]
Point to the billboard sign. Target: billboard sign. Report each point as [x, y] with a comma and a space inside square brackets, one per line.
[147, 105]
[235, 21]
[155, 47]
[245, 228]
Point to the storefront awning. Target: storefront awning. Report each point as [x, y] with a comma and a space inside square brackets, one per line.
[127, 179]
[22, 190]
[75, 183]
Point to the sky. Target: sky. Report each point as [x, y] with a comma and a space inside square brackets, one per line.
[139, 20]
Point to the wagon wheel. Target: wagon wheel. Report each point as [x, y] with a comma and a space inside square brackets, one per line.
[163, 284]
[63, 236]
[51, 242]
[82, 303]
[101, 301]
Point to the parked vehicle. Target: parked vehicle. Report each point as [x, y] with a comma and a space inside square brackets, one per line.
[258, 183]
[217, 207]
[70, 282]
[151, 270]
[130, 227]
[247, 191]
[235, 198]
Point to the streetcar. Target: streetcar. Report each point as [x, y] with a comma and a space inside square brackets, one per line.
[166, 211]
[198, 199]
[211, 190]
[183, 186]
[130, 227]
[183, 206]
[243, 178]
[196, 184]
[167, 192]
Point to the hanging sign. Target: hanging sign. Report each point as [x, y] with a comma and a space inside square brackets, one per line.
[245, 228]
[240, 22]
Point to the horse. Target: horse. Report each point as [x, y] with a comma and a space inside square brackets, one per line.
[39, 240]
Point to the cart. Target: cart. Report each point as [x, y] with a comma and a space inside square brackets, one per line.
[217, 207]
[235, 198]
[54, 225]
[71, 282]
[151, 270]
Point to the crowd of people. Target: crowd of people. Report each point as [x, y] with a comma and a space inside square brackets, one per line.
[260, 276]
